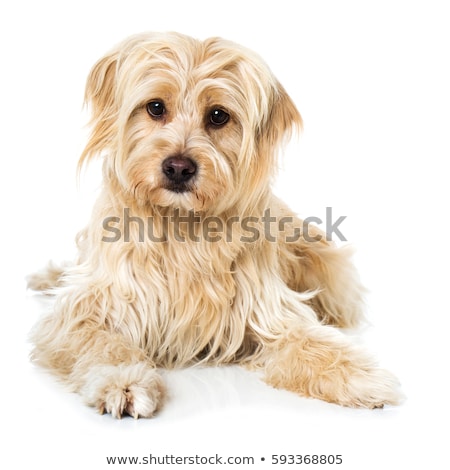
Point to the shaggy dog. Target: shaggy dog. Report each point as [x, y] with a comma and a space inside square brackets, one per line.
[177, 265]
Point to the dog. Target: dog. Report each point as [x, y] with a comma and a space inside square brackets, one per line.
[189, 132]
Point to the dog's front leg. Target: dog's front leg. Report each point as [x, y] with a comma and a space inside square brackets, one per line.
[111, 373]
[117, 378]
[320, 362]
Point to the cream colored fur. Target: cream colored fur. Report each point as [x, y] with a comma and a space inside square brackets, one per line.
[126, 308]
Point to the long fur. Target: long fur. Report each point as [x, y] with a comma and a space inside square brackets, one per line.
[127, 307]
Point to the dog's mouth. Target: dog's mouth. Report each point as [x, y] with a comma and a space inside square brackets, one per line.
[178, 188]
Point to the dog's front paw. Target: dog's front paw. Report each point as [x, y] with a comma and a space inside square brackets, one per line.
[372, 388]
[136, 390]
[321, 363]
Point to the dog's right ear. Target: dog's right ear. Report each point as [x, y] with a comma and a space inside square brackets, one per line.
[100, 96]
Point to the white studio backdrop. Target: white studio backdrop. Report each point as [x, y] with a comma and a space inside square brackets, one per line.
[371, 82]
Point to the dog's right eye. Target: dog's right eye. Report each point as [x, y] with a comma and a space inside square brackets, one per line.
[156, 109]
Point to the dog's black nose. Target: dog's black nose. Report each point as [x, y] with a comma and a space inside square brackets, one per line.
[179, 169]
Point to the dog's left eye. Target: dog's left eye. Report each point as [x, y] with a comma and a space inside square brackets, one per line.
[156, 109]
[218, 117]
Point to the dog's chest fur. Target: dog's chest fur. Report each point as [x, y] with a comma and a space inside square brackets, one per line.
[197, 297]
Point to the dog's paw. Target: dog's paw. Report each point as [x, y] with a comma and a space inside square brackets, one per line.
[136, 390]
[321, 363]
[357, 385]
[371, 388]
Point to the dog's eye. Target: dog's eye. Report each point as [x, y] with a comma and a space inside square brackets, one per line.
[218, 117]
[156, 109]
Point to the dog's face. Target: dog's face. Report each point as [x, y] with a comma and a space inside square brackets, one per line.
[187, 124]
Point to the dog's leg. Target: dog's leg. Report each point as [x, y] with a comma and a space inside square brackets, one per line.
[108, 370]
[310, 262]
[320, 362]
[117, 378]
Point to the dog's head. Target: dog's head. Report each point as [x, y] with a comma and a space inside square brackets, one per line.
[185, 123]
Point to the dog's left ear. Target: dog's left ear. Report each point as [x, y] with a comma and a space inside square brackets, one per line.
[283, 118]
[280, 120]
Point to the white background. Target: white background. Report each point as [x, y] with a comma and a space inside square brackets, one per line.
[372, 81]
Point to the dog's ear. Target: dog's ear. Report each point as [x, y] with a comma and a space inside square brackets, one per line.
[100, 96]
[283, 118]
[279, 120]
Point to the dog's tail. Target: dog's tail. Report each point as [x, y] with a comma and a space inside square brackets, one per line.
[48, 278]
